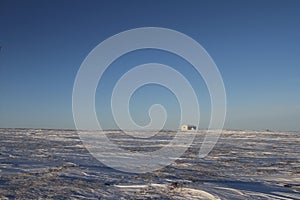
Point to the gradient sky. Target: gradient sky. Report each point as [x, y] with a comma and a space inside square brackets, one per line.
[255, 44]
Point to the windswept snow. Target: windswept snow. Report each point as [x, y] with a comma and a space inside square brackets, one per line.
[54, 164]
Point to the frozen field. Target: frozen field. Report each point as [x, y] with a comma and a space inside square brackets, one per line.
[53, 164]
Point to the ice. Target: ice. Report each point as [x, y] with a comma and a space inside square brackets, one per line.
[54, 164]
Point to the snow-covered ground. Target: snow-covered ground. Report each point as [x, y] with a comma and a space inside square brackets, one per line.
[53, 164]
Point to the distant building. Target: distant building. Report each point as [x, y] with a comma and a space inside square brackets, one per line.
[185, 127]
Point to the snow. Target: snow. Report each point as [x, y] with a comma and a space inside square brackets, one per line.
[54, 164]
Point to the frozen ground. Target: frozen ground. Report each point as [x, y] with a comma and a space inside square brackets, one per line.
[53, 164]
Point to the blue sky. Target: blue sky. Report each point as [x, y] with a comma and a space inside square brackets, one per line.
[255, 44]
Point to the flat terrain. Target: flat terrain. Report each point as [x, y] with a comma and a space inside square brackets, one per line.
[53, 164]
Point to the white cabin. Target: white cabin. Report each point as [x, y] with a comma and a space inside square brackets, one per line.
[186, 127]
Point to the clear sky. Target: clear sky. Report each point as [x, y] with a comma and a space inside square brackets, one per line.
[255, 44]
